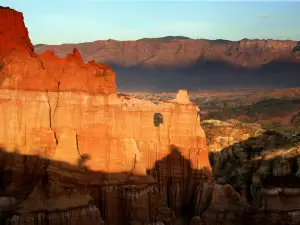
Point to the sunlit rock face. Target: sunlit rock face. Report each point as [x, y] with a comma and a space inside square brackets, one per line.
[221, 134]
[182, 97]
[75, 152]
[111, 135]
[114, 132]
[22, 69]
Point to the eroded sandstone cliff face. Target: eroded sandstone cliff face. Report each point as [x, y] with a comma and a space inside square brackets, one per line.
[13, 33]
[112, 130]
[111, 135]
[75, 152]
[22, 69]
[262, 165]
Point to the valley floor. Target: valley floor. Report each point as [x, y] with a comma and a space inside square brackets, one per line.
[274, 109]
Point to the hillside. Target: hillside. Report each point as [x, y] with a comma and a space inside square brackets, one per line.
[170, 63]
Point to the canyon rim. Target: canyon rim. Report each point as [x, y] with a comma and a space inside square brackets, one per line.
[73, 151]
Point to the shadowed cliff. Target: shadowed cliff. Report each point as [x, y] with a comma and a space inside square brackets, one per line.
[36, 190]
[265, 171]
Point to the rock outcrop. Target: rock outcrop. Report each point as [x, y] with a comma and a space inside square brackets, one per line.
[75, 152]
[13, 33]
[110, 134]
[263, 166]
[218, 204]
[22, 69]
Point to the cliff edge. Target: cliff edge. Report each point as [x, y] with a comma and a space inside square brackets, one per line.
[75, 152]
[22, 69]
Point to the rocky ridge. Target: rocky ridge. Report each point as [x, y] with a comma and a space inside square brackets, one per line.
[169, 64]
[181, 53]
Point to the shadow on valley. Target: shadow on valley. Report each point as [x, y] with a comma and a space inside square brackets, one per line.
[268, 160]
[206, 74]
[54, 192]
[42, 190]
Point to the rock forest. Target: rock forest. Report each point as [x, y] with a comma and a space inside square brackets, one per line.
[73, 151]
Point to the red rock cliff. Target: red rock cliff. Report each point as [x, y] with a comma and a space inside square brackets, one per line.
[13, 33]
[22, 69]
[78, 150]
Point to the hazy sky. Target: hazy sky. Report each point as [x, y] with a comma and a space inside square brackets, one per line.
[73, 21]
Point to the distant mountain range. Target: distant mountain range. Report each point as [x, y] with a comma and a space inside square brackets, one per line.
[172, 62]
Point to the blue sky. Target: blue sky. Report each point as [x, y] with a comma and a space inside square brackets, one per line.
[74, 21]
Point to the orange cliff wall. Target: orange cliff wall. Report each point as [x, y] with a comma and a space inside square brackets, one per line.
[119, 137]
[22, 69]
[13, 33]
[44, 97]
[116, 133]
[65, 110]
